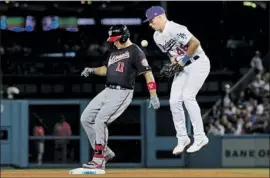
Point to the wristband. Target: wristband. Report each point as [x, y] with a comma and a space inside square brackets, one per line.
[183, 60]
[152, 85]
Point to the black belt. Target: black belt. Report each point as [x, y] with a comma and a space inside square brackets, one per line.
[118, 87]
[192, 60]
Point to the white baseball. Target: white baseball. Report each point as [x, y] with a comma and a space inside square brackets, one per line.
[144, 43]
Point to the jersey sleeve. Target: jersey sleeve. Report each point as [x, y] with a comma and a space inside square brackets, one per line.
[141, 62]
[180, 33]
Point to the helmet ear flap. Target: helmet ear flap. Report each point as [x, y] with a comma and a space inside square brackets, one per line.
[124, 37]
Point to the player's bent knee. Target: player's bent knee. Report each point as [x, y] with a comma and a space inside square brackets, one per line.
[87, 123]
[84, 119]
[176, 105]
[189, 98]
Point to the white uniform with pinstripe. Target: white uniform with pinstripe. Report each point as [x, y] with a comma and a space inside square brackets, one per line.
[174, 40]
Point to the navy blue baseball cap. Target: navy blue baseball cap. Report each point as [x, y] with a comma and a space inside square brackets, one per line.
[153, 12]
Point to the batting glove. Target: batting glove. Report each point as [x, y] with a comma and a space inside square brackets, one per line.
[154, 101]
[87, 71]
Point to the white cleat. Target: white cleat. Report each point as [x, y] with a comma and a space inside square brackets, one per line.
[198, 144]
[181, 146]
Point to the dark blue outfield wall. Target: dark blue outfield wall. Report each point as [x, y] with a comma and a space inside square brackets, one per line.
[226, 151]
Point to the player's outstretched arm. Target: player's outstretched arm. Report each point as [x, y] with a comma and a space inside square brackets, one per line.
[101, 71]
[152, 87]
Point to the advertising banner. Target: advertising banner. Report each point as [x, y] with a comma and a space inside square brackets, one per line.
[245, 152]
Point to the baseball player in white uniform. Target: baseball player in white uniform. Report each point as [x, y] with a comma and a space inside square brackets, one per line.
[183, 48]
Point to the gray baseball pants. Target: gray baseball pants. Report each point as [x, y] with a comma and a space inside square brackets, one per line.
[106, 107]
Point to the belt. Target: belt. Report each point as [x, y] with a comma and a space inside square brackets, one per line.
[118, 87]
[192, 60]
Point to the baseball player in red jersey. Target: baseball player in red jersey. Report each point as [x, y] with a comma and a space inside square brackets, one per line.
[184, 49]
[120, 69]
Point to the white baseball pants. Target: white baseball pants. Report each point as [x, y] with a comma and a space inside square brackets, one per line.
[184, 89]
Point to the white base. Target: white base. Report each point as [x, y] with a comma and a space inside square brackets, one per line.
[86, 171]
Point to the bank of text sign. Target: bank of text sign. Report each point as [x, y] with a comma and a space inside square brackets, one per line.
[245, 152]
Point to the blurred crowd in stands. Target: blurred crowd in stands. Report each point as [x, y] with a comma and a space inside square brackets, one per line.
[247, 111]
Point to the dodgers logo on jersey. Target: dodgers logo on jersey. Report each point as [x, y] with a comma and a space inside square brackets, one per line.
[168, 44]
[115, 58]
[182, 35]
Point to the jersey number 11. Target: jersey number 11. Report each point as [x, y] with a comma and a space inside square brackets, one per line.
[120, 67]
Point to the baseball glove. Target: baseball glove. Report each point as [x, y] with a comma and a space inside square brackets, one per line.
[169, 70]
